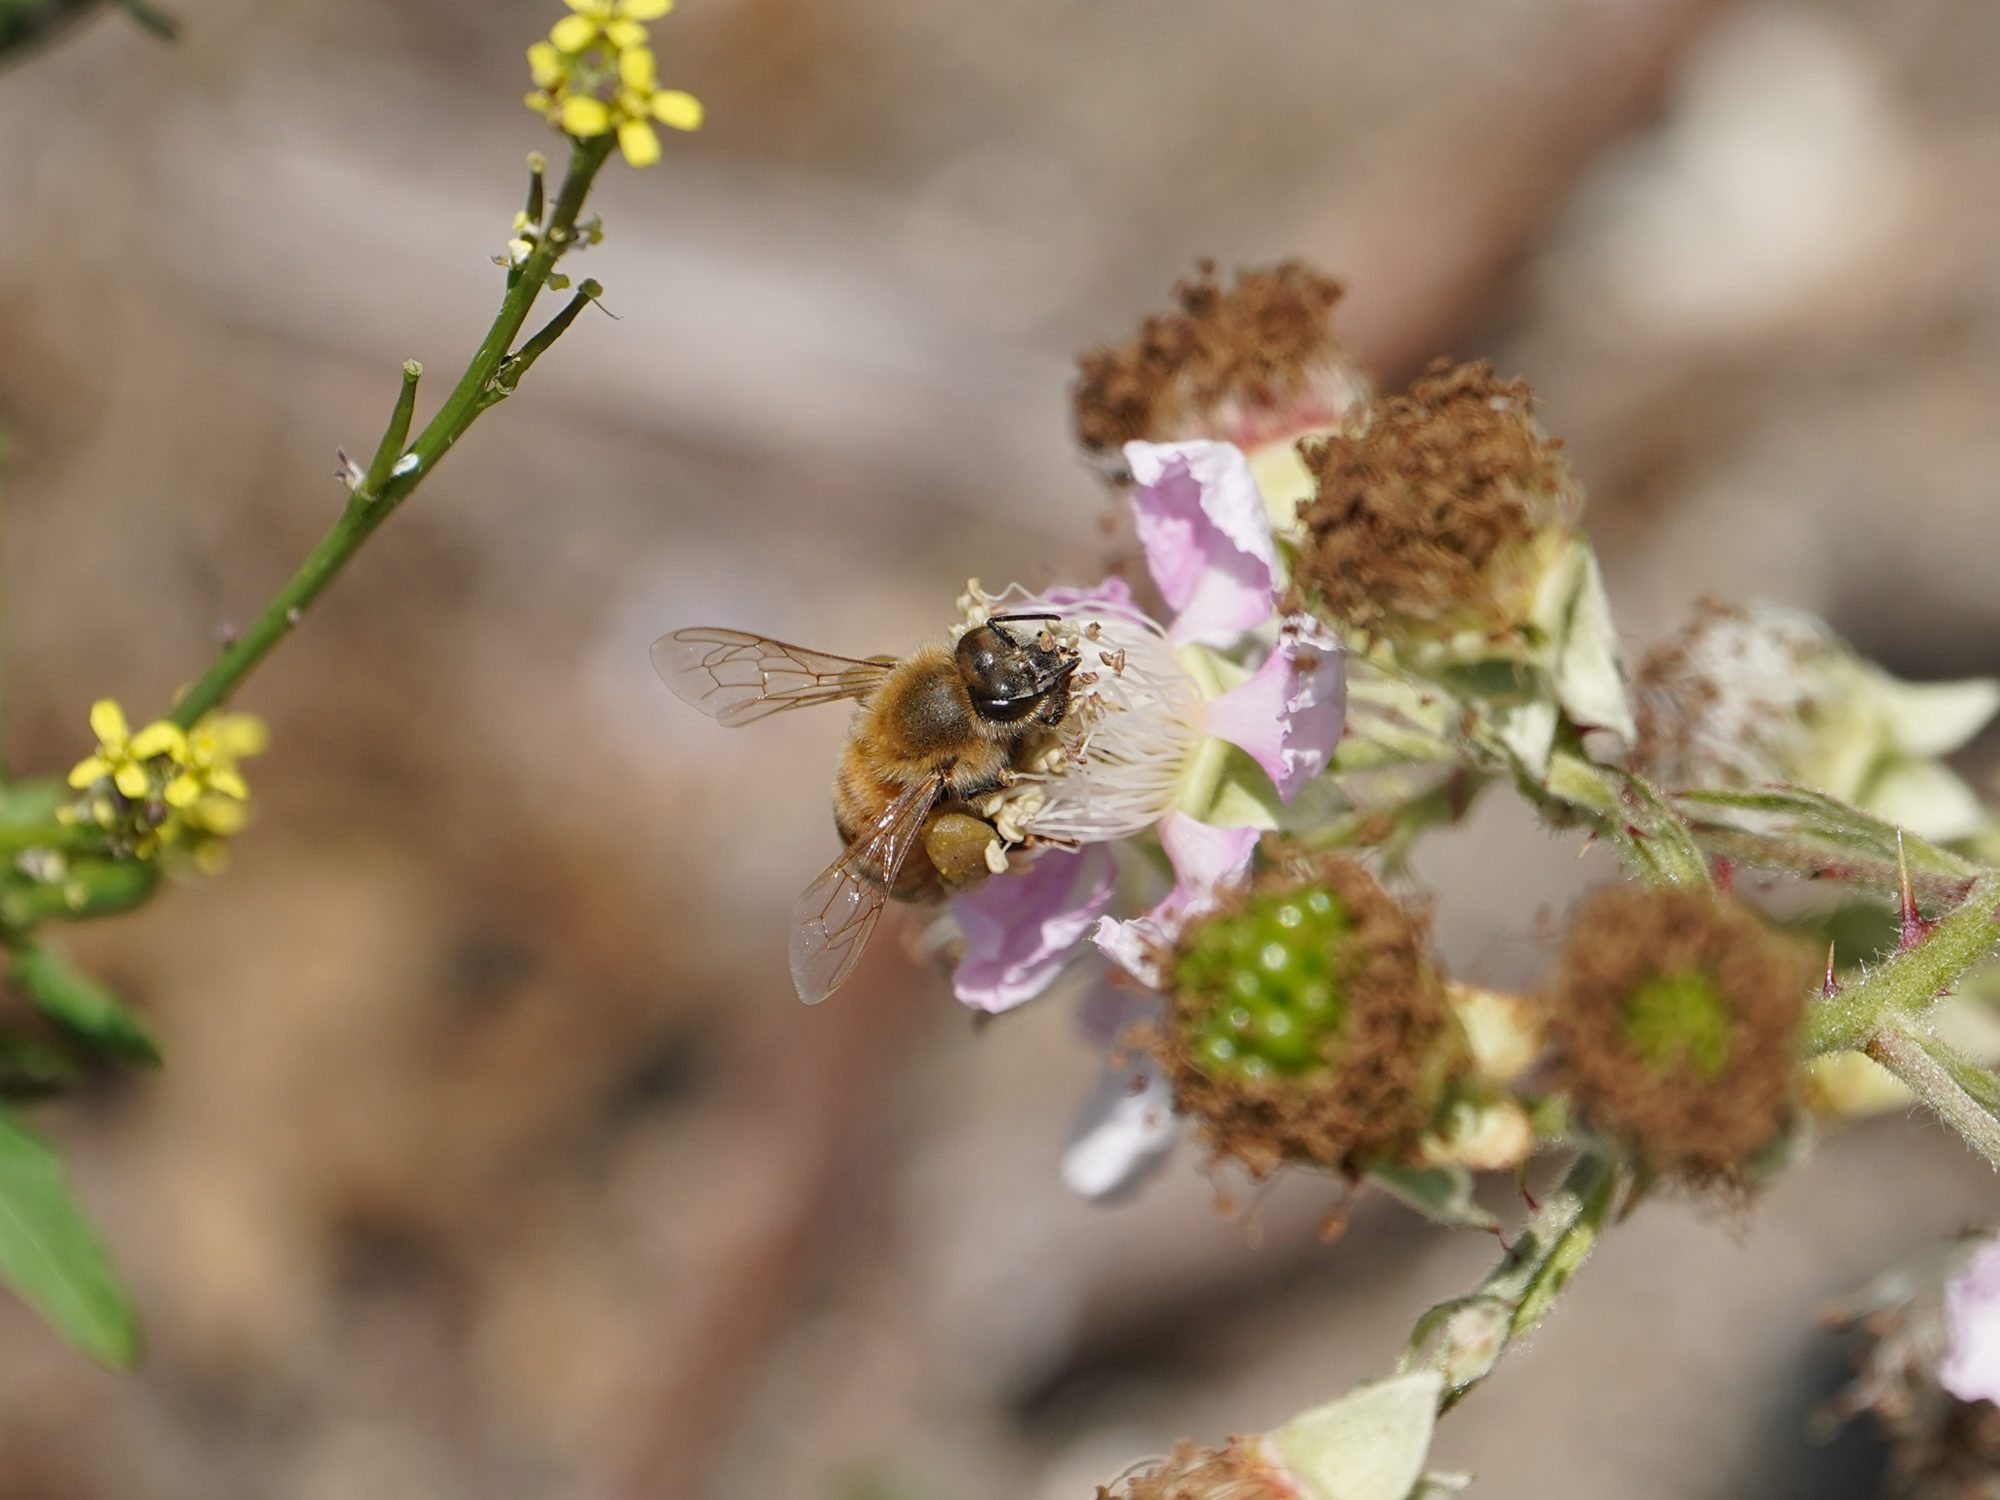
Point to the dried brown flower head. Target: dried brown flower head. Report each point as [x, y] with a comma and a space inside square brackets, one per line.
[1191, 1472]
[1250, 364]
[1308, 1024]
[1675, 1017]
[1429, 507]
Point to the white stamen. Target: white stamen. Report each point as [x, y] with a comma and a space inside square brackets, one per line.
[1117, 762]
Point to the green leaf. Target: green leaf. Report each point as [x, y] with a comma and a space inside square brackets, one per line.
[81, 1006]
[51, 1258]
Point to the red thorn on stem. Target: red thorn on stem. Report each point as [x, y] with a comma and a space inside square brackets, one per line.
[1725, 874]
[1505, 1248]
[1914, 925]
[1826, 990]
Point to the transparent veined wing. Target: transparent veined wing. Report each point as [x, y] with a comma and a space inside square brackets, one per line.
[832, 921]
[738, 678]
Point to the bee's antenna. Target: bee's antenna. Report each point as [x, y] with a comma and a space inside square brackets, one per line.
[1007, 619]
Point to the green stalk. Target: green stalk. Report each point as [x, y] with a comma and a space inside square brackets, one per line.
[1912, 981]
[368, 507]
[1952, 1086]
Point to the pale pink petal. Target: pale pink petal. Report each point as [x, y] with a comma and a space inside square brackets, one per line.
[1206, 861]
[1290, 713]
[1113, 594]
[1970, 1369]
[1021, 928]
[1207, 538]
[1136, 946]
[1125, 1129]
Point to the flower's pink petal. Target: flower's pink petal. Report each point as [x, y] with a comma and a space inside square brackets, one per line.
[1289, 714]
[1136, 946]
[1207, 537]
[1113, 594]
[1206, 860]
[1124, 1130]
[1970, 1369]
[1022, 927]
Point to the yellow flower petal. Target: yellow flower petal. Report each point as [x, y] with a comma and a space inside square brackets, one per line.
[183, 791]
[624, 34]
[637, 70]
[87, 771]
[582, 5]
[211, 856]
[647, 10]
[107, 722]
[159, 738]
[228, 782]
[573, 33]
[582, 115]
[640, 143]
[220, 815]
[680, 111]
[130, 779]
[546, 64]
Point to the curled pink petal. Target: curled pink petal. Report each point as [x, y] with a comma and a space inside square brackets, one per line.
[1970, 1369]
[1022, 927]
[1206, 861]
[1290, 713]
[1207, 537]
[1125, 1129]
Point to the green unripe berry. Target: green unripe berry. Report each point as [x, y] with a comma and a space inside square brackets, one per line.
[1263, 980]
[1679, 1022]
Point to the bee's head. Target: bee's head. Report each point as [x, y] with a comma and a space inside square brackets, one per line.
[1011, 682]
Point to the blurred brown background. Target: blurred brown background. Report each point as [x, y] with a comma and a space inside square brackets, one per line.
[494, 1157]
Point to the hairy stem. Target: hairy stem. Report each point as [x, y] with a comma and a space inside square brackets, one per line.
[369, 507]
[1952, 1086]
[1909, 983]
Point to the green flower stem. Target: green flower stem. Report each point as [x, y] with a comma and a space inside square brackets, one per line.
[396, 434]
[1957, 1090]
[1464, 1339]
[369, 507]
[1908, 984]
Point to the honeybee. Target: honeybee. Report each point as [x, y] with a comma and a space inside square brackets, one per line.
[934, 730]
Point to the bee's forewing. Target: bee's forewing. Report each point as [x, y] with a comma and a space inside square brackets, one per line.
[837, 912]
[737, 678]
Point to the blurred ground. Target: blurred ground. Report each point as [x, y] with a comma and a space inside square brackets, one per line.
[494, 1157]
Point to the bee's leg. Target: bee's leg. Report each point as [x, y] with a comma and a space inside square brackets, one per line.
[957, 843]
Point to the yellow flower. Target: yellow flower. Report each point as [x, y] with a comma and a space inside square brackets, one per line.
[167, 781]
[617, 21]
[121, 755]
[208, 765]
[596, 75]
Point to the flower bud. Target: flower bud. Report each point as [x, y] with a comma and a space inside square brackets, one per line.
[1256, 365]
[1675, 1017]
[1754, 693]
[1307, 1023]
[1436, 513]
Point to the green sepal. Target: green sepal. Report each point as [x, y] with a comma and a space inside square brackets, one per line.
[1369, 1445]
[51, 1257]
[1441, 1194]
